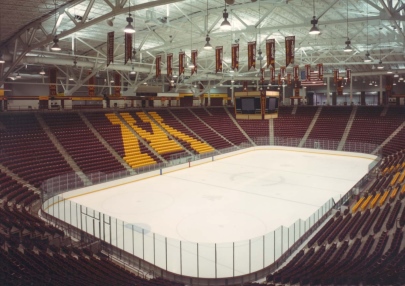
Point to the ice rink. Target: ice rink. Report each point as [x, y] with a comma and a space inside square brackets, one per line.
[232, 199]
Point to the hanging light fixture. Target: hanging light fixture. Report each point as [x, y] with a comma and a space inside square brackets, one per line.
[132, 71]
[18, 76]
[42, 72]
[55, 47]
[314, 30]
[259, 52]
[191, 64]
[2, 61]
[207, 45]
[348, 47]
[367, 59]
[129, 28]
[225, 23]
[380, 64]
[396, 74]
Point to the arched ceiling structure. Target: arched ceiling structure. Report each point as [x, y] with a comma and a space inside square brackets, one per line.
[27, 29]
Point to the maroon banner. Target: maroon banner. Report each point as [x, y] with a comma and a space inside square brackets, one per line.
[320, 71]
[181, 62]
[349, 75]
[235, 56]
[335, 76]
[52, 82]
[282, 73]
[271, 52]
[261, 75]
[288, 78]
[157, 65]
[117, 83]
[389, 82]
[289, 50]
[219, 53]
[296, 73]
[279, 79]
[194, 54]
[308, 71]
[128, 47]
[297, 92]
[272, 75]
[91, 88]
[339, 86]
[110, 48]
[251, 55]
[169, 62]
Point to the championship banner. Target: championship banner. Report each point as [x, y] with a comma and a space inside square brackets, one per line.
[282, 73]
[296, 73]
[52, 82]
[128, 47]
[388, 85]
[297, 92]
[271, 52]
[288, 78]
[348, 75]
[289, 50]
[235, 56]
[339, 87]
[320, 71]
[335, 76]
[261, 75]
[181, 62]
[218, 58]
[117, 83]
[279, 79]
[169, 62]
[272, 75]
[194, 61]
[157, 65]
[251, 55]
[110, 48]
[91, 88]
[308, 71]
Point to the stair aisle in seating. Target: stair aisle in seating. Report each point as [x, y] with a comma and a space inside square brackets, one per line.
[347, 129]
[28, 152]
[87, 151]
[238, 126]
[162, 117]
[203, 131]
[152, 134]
[308, 131]
[134, 154]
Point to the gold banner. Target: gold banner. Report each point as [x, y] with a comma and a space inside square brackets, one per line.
[169, 64]
[218, 58]
[320, 71]
[194, 54]
[271, 52]
[52, 81]
[235, 56]
[110, 48]
[289, 50]
[251, 55]
[157, 65]
[128, 47]
[181, 62]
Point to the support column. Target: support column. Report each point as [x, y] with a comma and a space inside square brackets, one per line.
[328, 91]
[381, 101]
[351, 92]
[363, 98]
[334, 98]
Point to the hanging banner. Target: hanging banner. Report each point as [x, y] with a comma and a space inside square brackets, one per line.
[289, 50]
[91, 88]
[279, 79]
[110, 48]
[271, 52]
[297, 92]
[117, 83]
[339, 87]
[389, 81]
[335, 76]
[158, 60]
[288, 78]
[169, 62]
[235, 56]
[296, 73]
[218, 58]
[272, 75]
[52, 82]
[348, 75]
[128, 47]
[261, 75]
[194, 61]
[308, 72]
[251, 55]
[282, 73]
[320, 71]
[181, 62]
[245, 85]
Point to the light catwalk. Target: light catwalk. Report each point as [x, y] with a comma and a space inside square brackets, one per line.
[234, 199]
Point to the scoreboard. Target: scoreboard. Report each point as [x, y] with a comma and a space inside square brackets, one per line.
[256, 105]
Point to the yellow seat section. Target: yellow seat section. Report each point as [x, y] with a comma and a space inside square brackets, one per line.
[375, 200]
[384, 197]
[158, 140]
[394, 193]
[401, 178]
[198, 146]
[133, 155]
[395, 178]
[366, 202]
[403, 190]
[357, 205]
